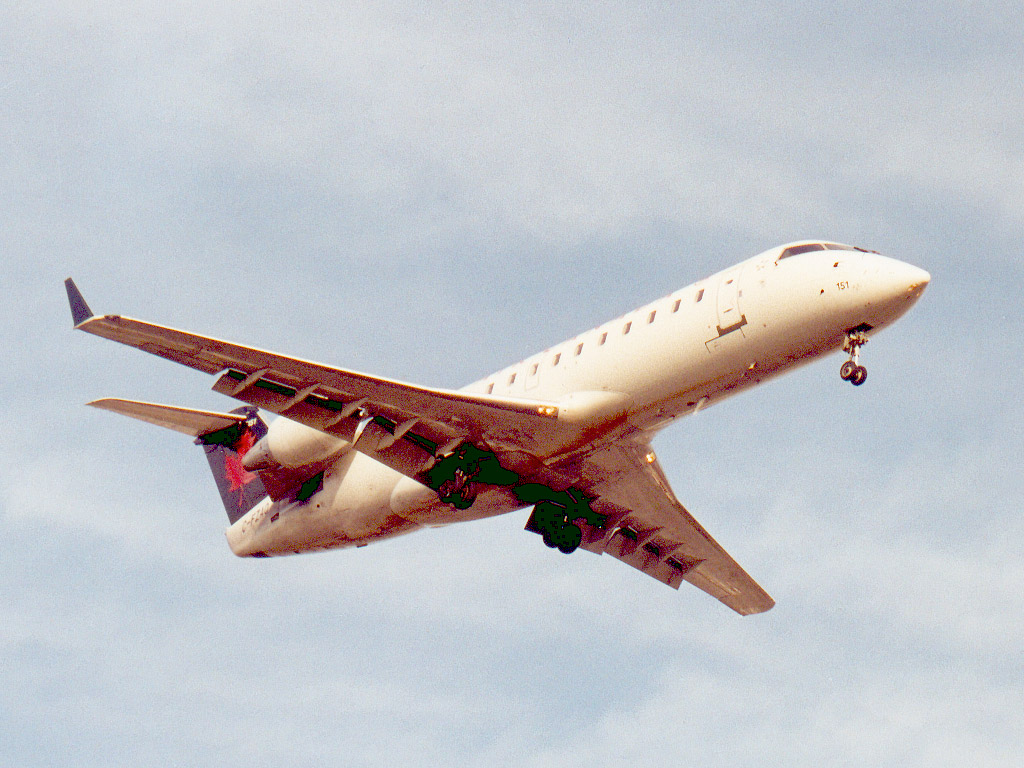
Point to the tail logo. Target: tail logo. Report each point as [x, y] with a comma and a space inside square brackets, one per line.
[240, 489]
[236, 474]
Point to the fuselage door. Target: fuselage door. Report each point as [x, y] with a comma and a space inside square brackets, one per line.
[730, 317]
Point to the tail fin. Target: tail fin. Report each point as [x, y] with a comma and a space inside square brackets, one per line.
[240, 489]
[225, 437]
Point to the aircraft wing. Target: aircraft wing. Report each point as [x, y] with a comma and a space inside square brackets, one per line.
[402, 425]
[649, 529]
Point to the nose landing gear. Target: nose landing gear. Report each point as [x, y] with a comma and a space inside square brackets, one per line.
[852, 371]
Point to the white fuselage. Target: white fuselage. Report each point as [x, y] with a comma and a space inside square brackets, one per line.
[665, 360]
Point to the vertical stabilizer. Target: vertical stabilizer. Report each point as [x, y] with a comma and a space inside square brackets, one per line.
[240, 490]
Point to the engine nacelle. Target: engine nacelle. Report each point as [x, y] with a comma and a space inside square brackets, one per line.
[290, 445]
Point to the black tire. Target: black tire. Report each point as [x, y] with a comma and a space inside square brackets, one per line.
[860, 375]
[848, 369]
[570, 538]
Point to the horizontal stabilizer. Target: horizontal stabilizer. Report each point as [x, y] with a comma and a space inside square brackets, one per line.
[188, 421]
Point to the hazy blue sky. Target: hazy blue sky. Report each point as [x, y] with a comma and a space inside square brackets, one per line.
[431, 194]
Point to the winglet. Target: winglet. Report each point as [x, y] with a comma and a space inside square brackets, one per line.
[80, 311]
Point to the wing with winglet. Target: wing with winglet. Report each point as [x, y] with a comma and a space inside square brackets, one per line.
[402, 425]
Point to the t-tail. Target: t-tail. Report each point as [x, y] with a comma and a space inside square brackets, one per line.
[225, 438]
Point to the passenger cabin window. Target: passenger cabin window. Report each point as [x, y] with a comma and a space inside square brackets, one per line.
[604, 338]
[557, 358]
[650, 317]
[700, 295]
[533, 370]
[579, 349]
[490, 388]
[626, 327]
[675, 307]
[511, 379]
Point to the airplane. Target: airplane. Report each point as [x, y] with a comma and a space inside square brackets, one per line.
[354, 458]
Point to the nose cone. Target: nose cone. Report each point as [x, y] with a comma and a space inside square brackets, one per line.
[908, 280]
[894, 286]
[914, 278]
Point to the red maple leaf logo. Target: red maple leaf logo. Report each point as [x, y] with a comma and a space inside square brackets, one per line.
[238, 475]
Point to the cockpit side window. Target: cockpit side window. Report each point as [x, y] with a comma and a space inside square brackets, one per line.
[796, 250]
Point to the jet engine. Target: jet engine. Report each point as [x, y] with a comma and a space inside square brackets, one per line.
[290, 445]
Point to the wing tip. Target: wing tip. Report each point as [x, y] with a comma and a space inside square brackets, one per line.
[107, 403]
[763, 605]
[80, 311]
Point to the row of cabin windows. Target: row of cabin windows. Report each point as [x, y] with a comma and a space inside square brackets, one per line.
[604, 337]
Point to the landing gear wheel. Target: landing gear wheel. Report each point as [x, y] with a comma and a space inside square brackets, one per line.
[570, 539]
[460, 492]
[848, 369]
[860, 375]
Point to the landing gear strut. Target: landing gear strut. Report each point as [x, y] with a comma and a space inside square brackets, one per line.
[457, 476]
[852, 371]
[459, 491]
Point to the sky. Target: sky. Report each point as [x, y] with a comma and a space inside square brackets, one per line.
[430, 193]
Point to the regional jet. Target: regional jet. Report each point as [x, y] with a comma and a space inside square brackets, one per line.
[354, 458]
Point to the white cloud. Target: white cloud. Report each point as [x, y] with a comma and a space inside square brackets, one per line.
[546, 124]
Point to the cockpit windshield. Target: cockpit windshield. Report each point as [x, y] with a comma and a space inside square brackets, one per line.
[796, 250]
